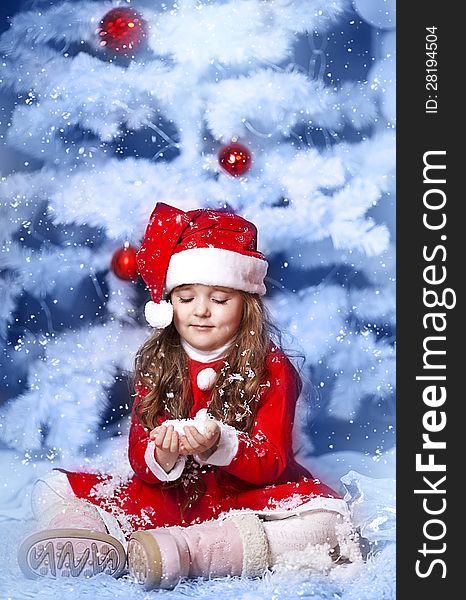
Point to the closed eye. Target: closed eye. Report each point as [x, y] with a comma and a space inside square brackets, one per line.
[187, 300]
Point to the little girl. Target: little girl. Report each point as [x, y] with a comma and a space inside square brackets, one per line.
[216, 490]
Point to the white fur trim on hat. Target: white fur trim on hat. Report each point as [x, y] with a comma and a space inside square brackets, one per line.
[217, 266]
[158, 315]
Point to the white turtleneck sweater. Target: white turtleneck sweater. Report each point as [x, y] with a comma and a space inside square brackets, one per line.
[205, 356]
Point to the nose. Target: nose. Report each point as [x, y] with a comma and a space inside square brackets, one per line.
[201, 308]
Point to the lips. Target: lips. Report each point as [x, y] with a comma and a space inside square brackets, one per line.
[202, 326]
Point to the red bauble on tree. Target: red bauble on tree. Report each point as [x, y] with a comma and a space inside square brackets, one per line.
[235, 159]
[122, 31]
[124, 263]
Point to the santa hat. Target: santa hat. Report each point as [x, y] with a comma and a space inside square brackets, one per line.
[199, 246]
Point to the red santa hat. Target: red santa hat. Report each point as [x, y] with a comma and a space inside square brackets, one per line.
[199, 246]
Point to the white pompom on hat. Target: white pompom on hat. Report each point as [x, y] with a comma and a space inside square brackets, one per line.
[158, 315]
[201, 246]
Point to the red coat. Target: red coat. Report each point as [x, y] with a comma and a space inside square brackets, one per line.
[262, 475]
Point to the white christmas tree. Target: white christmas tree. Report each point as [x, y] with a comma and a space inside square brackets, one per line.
[197, 76]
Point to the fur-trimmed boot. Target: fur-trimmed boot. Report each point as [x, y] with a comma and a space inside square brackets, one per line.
[315, 539]
[73, 543]
[240, 544]
[235, 545]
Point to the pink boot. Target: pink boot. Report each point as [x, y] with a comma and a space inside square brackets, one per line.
[74, 543]
[232, 546]
[238, 545]
[318, 536]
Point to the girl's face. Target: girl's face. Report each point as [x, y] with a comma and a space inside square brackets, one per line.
[207, 317]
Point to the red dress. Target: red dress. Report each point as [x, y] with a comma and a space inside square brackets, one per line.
[262, 474]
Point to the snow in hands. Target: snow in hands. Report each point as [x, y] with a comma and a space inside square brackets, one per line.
[308, 189]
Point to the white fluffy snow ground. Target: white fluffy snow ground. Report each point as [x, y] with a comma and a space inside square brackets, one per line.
[370, 492]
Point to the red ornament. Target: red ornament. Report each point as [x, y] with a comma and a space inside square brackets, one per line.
[235, 159]
[124, 263]
[122, 31]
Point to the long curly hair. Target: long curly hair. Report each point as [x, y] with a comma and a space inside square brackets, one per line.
[161, 364]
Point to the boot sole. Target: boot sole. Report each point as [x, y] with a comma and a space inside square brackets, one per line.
[144, 560]
[58, 553]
